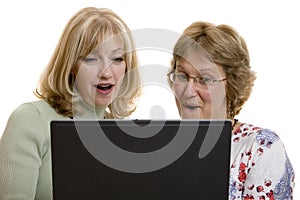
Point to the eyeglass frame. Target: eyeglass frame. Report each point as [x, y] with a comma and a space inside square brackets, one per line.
[200, 81]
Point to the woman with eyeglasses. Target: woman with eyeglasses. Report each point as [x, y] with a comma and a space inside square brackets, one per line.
[92, 74]
[212, 79]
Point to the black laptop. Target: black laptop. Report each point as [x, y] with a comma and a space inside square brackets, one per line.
[140, 159]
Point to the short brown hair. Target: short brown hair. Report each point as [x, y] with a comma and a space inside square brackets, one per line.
[224, 46]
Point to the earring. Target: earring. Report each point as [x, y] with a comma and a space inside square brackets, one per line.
[229, 110]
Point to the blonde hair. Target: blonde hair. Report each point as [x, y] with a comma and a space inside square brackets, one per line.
[224, 46]
[84, 31]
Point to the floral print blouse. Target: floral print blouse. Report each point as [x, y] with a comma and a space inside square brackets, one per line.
[260, 168]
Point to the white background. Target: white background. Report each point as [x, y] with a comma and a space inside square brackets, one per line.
[30, 30]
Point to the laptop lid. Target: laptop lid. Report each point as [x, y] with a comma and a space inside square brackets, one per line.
[140, 159]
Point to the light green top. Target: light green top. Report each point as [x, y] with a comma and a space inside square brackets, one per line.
[25, 154]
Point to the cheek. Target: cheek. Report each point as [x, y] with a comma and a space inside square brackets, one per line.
[218, 95]
[81, 76]
[178, 91]
[84, 71]
[119, 71]
[206, 95]
[203, 94]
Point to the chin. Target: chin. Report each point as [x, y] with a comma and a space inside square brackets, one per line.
[190, 116]
[194, 115]
[102, 104]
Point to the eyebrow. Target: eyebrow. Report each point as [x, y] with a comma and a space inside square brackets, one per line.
[117, 50]
[200, 70]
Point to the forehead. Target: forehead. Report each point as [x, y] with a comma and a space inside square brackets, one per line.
[109, 43]
[196, 63]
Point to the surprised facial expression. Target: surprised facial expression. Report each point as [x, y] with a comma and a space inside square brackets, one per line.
[200, 101]
[100, 73]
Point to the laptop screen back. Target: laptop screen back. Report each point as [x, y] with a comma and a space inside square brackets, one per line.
[140, 159]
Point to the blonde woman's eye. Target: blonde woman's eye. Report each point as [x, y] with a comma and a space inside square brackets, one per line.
[90, 60]
[118, 59]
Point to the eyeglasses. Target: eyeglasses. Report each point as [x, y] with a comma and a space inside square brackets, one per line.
[200, 81]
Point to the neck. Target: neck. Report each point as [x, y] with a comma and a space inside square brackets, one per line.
[89, 112]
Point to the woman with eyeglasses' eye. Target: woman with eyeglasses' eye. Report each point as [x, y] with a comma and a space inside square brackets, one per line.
[91, 75]
[211, 78]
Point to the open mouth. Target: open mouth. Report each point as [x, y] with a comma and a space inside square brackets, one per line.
[104, 87]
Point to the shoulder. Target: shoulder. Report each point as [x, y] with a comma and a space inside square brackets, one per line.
[27, 114]
[31, 110]
[255, 152]
[256, 141]
[32, 114]
[260, 144]
[25, 127]
[24, 112]
[29, 121]
[261, 136]
[30, 107]
[34, 106]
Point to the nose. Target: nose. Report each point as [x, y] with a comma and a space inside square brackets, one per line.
[105, 71]
[190, 88]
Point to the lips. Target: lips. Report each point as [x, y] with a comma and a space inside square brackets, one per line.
[191, 107]
[104, 88]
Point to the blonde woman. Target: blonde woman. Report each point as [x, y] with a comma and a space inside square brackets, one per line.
[212, 79]
[91, 74]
